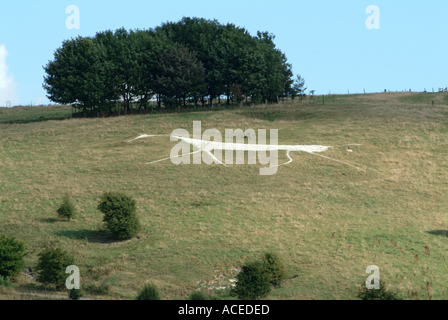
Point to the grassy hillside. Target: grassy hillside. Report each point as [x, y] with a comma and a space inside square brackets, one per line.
[22, 115]
[327, 220]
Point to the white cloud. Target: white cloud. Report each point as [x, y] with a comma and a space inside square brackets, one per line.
[7, 85]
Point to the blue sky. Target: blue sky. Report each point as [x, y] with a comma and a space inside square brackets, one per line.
[326, 41]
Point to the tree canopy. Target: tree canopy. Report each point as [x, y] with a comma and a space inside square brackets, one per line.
[176, 62]
[179, 76]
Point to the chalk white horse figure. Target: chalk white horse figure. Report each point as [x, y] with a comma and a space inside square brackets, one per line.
[208, 146]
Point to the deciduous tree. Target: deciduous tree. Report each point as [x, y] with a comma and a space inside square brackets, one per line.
[78, 74]
[179, 76]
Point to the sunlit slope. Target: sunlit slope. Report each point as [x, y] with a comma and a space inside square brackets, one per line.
[327, 220]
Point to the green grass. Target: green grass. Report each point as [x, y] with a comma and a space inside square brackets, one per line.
[425, 98]
[328, 221]
[20, 115]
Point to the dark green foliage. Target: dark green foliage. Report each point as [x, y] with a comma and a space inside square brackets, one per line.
[298, 88]
[252, 282]
[274, 268]
[277, 71]
[179, 76]
[149, 292]
[66, 210]
[78, 74]
[6, 282]
[51, 266]
[12, 253]
[131, 56]
[74, 294]
[377, 294]
[230, 54]
[119, 215]
[197, 295]
[193, 58]
[255, 279]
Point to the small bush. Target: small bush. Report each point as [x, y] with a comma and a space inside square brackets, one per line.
[11, 256]
[252, 282]
[74, 294]
[149, 292]
[197, 295]
[377, 294]
[119, 215]
[274, 268]
[51, 266]
[6, 282]
[66, 210]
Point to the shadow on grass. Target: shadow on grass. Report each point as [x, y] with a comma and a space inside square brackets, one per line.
[443, 233]
[290, 115]
[40, 119]
[93, 236]
[50, 220]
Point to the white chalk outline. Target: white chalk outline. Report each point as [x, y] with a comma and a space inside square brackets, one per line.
[208, 146]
